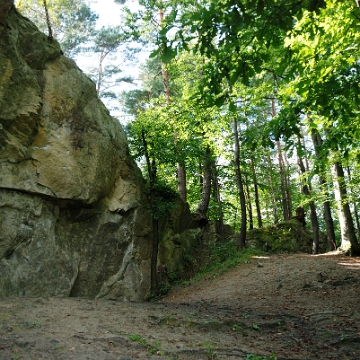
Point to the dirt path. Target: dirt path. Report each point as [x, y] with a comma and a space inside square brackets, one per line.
[295, 306]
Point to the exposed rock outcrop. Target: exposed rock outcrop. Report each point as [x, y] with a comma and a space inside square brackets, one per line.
[179, 236]
[73, 216]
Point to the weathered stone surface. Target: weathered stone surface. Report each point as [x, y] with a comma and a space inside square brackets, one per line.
[179, 235]
[4, 8]
[73, 215]
[56, 137]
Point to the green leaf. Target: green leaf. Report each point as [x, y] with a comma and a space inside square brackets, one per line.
[168, 54]
[155, 53]
[232, 107]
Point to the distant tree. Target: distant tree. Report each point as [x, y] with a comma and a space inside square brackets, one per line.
[72, 22]
[110, 41]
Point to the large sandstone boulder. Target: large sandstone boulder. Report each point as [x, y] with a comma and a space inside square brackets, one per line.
[73, 216]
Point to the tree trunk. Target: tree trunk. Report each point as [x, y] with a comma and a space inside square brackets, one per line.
[218, 199]
[272, 191]
[206, 186]
[151, 166]
[50, 35]
[355, 206]
[100, 72]
[313, 215]
[181, 172]
[256, 191]
[240, 186]
[203, 206]
[282, 174]
[285, 207]
[181, 177]
[348, 236]
[329, 223]
[249, 206]
[287, 186]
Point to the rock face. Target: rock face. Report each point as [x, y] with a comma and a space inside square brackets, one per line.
[73, 216]
[179, 236]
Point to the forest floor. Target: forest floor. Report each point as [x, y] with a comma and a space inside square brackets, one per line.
[292, 306]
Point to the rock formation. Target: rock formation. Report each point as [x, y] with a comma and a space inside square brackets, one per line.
[73, 216]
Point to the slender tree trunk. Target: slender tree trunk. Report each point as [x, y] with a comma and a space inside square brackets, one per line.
[181, 172]
[302, 139]
[249, 206]
[206, 186]
[313, 215]
[100, 72]
[200, 170]
[329, 223]
[203, 206]
[282, 182]
[256, 191]
[50, 35]
[218, 199]
[272, 191]
[287, 186]
[282, 174]
[348, 236]
[151, 166]
[239, 183]
[181, 177]
[355, 206]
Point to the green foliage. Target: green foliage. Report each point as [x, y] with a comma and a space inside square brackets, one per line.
[164, 199]
[199, 262]
[237, 37]
[288, 236]
[283, 69]
[324, 53]
[72, 21]
[151, 348]
[223, 257]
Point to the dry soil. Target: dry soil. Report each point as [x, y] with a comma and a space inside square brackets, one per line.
[281, 306]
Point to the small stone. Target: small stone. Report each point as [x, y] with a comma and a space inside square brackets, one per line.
[260, 265]
[28, 324]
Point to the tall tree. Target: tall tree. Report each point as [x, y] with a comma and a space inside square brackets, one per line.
[181, 172]
[282, 173]
[348, 234]
[306, 186]
[239, 183]
[206, 186]
[348, 170]
[71, 22]
[322, 161]
[108, 41]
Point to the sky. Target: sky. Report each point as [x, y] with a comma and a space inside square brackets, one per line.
[109, 14]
